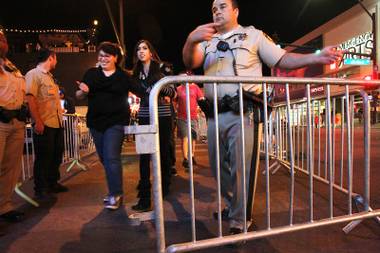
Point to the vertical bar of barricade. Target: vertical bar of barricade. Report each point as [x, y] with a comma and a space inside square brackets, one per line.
[326, 137]
[294, 125]
[298, 135]
[319, 137]
[329, 149]
[270, 134]
[313, 126]
[267, 176]
[76, 138]
[65, 150]
[291, 198]
[286, 145]
[352, 111]
[342, 142]
[279, 124]
[302, 136]
[310, 157]
[216, 119]
[333, 137]
[243, 154]
[349, 147]
[156, 164]
[190, 159]
[278, 133]
[367, 150]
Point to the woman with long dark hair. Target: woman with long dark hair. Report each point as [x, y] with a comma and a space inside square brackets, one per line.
[147, 71]
[107, 87]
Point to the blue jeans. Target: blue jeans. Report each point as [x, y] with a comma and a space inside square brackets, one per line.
[108, 146]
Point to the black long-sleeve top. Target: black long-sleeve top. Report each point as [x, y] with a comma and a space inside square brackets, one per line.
[108, 98]
[147, 83]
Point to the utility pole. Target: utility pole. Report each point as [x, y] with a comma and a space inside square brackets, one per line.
[118, 33]
[121, 27]
[375, 52]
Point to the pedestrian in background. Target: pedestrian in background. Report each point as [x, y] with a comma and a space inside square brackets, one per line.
[195, 94]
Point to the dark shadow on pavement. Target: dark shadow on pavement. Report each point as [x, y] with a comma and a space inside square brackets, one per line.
[33, 216]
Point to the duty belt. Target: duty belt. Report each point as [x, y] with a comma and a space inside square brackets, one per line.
[7, 115]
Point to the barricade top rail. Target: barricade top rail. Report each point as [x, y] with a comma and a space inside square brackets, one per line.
[368, 84]
[268, 80]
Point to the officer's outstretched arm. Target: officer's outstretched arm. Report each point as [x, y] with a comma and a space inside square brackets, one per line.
[327, 56]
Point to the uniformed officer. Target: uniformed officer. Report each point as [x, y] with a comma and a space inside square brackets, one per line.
[225, 48]
[42, 94]
[12, 125]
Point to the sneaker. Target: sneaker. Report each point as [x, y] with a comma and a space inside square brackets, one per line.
[57, 188]
[113, 203]
[225, 213]
[174, 171]
[185, 163]
[142, 206]
[106, 198]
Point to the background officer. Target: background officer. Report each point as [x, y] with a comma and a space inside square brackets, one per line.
[12, 126]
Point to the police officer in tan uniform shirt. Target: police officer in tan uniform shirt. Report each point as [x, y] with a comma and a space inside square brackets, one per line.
[45, 108]
[225, 48]
[12, 125]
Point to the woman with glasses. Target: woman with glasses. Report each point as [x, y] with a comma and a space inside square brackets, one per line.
[107, 87]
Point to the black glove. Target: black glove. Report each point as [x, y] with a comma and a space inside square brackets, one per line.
[205, 106]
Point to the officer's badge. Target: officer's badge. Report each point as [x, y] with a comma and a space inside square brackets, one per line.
[243, 36]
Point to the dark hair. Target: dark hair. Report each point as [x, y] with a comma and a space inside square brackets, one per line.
[112, 49]
[43, 54]
[154, 68]
[234, 4]
[155, 56]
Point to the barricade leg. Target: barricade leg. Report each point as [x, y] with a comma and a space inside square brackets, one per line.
[24, 196]
[361, 203]
[72, 142]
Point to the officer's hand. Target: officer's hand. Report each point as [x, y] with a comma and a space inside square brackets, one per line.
[39, 127]
[202, 33]
[83, 87]
[329, 55]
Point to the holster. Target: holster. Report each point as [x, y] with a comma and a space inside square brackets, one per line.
[7, 115]
[227, 103]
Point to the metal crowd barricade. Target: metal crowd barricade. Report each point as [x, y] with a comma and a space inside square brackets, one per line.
[77, 139]
[285, 132]
[77, 144]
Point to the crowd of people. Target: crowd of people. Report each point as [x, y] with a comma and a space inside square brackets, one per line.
[222, 48]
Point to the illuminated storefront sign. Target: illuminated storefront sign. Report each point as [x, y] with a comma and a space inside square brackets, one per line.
[362, 44]
[351, 61]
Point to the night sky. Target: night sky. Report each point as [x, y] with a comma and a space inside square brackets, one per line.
[167, 23]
